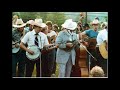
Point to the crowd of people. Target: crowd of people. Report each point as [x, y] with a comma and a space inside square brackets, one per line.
[45, 46]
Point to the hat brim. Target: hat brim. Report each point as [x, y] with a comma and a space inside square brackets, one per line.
[94, 23]
[73, 27]
[31, 23]
[40, 25]
[19, 26]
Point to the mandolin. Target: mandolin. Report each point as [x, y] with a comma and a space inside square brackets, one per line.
[74, 42]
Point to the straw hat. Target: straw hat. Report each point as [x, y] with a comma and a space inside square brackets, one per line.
[19, 23]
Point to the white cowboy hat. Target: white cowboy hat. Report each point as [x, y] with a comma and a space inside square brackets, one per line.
[19, 23]
[95, 22]
[30, 22]
[69, 24]
[63, 25]
[38, 22]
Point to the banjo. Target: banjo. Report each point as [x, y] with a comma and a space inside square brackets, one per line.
[36, 54]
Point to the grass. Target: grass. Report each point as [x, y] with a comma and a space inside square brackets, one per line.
[34, 71]
[57, 70]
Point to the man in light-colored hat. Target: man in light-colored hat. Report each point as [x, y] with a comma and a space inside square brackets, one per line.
[66, 52]
[51, 37]
[29, 25]
[102, 37]
[92, 35]
[18, 56]
[35, 37]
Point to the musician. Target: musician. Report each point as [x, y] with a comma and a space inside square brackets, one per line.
[102, 37]
[52, 54]
[29, 38]
[66, 53]
[92, 34]
[45, 57]
[18, 55]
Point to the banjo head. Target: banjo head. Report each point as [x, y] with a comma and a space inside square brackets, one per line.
[36, 54]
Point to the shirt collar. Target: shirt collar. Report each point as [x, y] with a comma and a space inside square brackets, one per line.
[33, 32]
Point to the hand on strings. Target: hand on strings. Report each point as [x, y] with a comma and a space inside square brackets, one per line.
[30, 52]
[17, 45]
[69, 45]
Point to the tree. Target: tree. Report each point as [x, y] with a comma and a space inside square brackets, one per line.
[56, 18]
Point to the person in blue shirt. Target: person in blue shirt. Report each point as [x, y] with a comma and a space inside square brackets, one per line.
[92, 35]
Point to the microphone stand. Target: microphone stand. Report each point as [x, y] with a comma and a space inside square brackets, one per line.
[40, 66]
[89, 64]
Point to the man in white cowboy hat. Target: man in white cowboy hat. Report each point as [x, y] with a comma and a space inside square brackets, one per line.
[92, 35]
[29, 25]
[18, 55]
[66, 53]
[102, 37]
[30, 39]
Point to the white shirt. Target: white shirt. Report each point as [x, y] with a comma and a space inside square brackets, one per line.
[29, 38]
[52, 33]
[102, 36]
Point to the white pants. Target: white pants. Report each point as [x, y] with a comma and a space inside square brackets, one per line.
[65, 69]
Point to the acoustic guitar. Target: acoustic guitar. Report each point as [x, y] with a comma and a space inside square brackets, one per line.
[103, 50]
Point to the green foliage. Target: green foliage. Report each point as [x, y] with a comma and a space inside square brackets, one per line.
[55, 17]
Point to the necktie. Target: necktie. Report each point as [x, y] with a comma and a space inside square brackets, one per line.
[36, 39]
